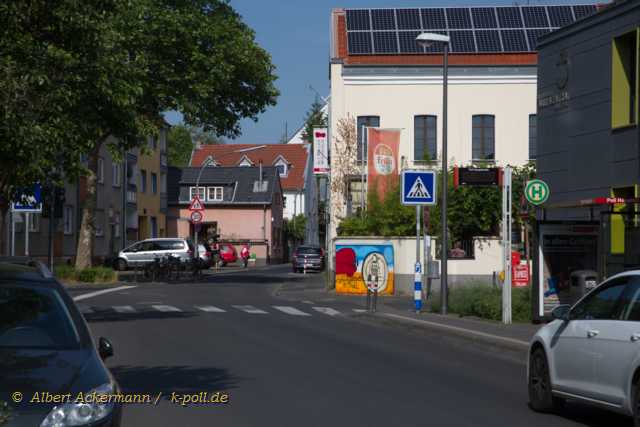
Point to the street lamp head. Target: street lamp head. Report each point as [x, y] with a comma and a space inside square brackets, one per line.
[427, 39]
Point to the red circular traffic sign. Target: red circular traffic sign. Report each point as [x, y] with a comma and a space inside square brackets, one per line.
[196, 217]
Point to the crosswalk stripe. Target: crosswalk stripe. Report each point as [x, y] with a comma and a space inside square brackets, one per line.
[359, 310]
[326, 310]
[249, 309]
[165, 308]
[210, 309]
[290, 310]
[124, 309]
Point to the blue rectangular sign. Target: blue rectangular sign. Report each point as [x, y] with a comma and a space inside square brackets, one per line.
[419, 187]
[29, 202]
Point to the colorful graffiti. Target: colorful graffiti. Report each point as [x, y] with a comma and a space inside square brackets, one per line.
[362, 265]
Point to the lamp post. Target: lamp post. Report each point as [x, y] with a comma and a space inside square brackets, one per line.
[426, 40]
[208, 162]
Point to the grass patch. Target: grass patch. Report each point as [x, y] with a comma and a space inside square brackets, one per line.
[88, 275]
[486, 302]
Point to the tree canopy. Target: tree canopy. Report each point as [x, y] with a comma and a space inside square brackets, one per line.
[314, 118]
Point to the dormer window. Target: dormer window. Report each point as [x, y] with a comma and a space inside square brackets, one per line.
[245, 161]
[283, 166]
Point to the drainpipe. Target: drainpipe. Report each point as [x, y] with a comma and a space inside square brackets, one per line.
[264, 225]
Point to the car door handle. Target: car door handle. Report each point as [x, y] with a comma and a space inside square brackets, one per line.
[592, 333]
[635, 337]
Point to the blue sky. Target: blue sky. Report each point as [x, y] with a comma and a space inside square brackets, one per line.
[296, 34]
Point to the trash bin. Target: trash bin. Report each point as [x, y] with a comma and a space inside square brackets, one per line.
[582, 281]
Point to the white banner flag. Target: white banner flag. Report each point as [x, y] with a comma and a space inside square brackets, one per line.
[320, 151]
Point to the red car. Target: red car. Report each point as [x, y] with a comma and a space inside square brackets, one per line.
[228, 254]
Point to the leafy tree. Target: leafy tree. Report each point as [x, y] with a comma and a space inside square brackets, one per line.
[73, 74]
[314, 118]
[205, 137]
[179, 146]
[295, 228]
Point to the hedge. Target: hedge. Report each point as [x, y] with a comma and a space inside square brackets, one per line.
[88, 275]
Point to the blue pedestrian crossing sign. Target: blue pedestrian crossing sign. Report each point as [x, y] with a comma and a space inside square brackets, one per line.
[418, 187]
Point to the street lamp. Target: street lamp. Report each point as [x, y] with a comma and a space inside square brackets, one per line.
[426, 40]
[211, 161]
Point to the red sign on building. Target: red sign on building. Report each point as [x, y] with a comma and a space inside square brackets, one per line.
[519, 275]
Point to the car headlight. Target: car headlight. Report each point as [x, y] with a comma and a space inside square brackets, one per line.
[80, 413]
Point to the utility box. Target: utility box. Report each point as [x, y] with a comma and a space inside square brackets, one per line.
[433, 269]
[582, 281]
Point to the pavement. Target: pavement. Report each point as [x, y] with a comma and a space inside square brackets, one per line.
[289, 353]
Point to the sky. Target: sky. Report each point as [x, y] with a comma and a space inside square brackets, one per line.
[296, 34]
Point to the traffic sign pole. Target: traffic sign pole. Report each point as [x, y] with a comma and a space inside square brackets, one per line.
[417, 292]
[506, 245]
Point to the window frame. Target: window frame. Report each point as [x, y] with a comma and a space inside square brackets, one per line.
[116, 174]
[154, 183]
[533, 136]
[483, 138]
[201, 197]
[426, 138]
[143, 181]
[216, 191]
[100, 170]
[67, 219]
[360, 136]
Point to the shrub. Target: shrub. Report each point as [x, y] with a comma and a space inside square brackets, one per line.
[64, 272]
[486, 302]
[88, 275]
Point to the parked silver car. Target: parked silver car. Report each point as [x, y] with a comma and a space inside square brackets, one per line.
[147, 250]
[591, 351]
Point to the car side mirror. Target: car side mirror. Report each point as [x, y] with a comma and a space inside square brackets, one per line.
[561, 312]
[105, 348]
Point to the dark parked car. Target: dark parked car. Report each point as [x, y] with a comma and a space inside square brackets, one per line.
[47, 352]
[308, 258]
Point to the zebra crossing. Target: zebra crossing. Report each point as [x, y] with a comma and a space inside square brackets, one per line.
[306, 311]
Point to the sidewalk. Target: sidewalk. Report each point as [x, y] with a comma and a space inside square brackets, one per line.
[401, 309]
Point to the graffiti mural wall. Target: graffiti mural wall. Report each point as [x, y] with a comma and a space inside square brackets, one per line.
[361, 265]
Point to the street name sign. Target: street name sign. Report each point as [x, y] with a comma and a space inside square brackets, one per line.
[196, 204]
[29, 202]
[418, 187]
[536, 191]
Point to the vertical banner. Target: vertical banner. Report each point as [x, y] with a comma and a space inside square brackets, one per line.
[320, 151]
[382, 159]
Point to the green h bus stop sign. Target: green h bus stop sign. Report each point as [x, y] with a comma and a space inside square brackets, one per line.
[536, 192]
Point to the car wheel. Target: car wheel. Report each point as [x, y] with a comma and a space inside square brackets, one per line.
[636, 405]
[121, 265]
[541, 398]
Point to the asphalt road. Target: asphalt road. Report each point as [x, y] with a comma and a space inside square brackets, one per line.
[304, 363]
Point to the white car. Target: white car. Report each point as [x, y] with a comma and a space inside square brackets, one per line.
[591, 351]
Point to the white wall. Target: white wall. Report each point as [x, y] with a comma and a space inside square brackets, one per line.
[294, 204]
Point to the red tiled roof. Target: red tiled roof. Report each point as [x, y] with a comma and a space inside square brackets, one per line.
[341, 51]
[228, 155]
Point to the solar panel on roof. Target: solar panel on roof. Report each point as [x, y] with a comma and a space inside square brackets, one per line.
[408, 42]
[358, 20]
[582, 11]
[408, 19]
[433, 19]
[458, 18]
[560, 15]
[509, 17]
[462, 41]
[385, 42]
[533, 35]
[383, 19]
[514, 40]
[535, 17]
[484, 17]
[488, 41]
[359, 43]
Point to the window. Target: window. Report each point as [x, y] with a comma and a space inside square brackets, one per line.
[163, 182]
[200, 193]
[34, 222]
[355, 196]
[424, 138]
[215, 194]
[67, 218]
[483, 137]
[100, 170]
[154, 183]
[143, 181]
[365, 121]
[624, 80]
[245, 161]
[601, 304]
[282, 169]
[116, 222]
[533, 136]
[630, 300]
[98, 223]
[163, 140]
[116, 169]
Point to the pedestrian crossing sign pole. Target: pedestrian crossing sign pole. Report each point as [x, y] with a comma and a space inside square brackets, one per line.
[418, 189]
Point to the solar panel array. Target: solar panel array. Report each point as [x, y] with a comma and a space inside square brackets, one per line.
[472, 29]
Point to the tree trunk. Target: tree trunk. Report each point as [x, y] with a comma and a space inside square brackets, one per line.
[86, 237]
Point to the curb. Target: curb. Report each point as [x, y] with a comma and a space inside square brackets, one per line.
[511, 343]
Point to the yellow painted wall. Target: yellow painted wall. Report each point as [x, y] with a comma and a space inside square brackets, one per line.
[149, 161]
[355, 284]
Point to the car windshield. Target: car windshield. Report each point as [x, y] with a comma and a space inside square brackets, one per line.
[306, 250]
[35, 318]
